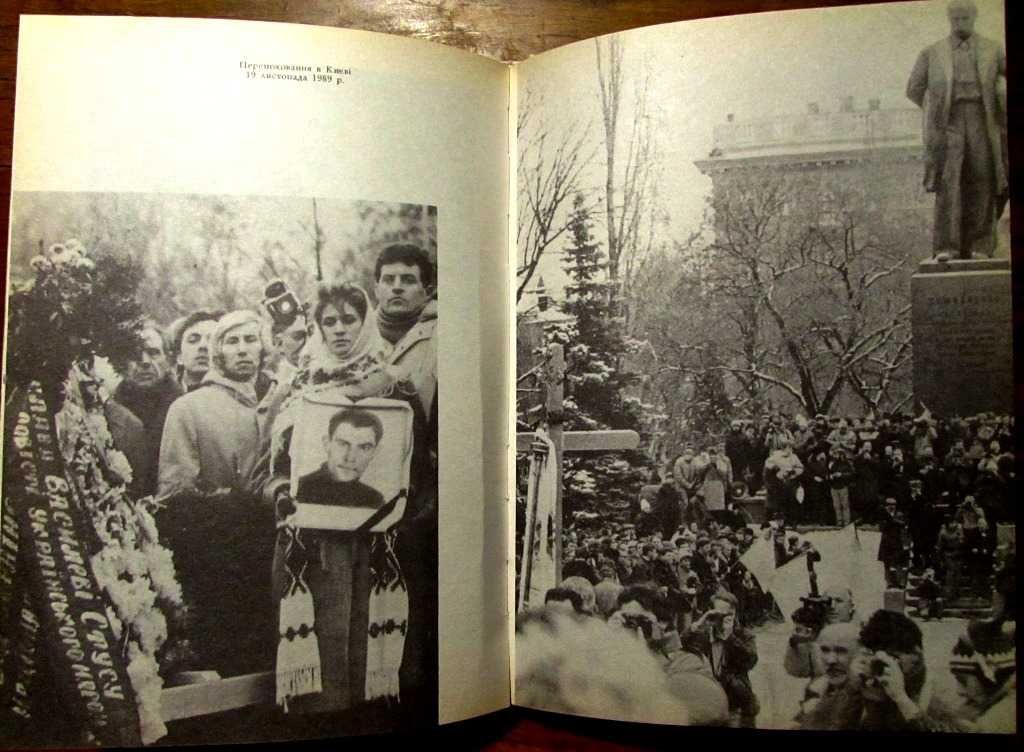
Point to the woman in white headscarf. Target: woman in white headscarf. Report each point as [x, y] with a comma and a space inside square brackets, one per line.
[340, 568]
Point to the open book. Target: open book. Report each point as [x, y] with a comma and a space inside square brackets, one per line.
[355, 384]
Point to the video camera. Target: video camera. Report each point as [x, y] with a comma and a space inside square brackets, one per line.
[282, 305]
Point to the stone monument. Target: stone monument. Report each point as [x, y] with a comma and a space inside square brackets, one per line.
[959, 82]
[962, 328]
[962, 301]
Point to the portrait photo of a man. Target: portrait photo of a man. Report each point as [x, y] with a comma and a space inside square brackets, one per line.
[352, 439]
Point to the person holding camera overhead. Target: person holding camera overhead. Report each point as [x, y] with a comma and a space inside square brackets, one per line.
[731, 651]
[289, 328]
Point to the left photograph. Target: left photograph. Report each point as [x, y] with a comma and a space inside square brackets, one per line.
[219, 515]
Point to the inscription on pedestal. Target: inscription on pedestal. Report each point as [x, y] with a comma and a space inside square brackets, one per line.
[962, 324]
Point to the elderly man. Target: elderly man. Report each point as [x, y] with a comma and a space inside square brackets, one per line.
[210, 436]
[956, 82]
[148, 389]
[837, 645]
[803, 654]
[889, 688]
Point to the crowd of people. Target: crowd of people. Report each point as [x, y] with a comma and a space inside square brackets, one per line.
[195, 415]
[672, 576]
[693, 604]
[937, 488]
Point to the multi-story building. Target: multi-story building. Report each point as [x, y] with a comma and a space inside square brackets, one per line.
[874, 155]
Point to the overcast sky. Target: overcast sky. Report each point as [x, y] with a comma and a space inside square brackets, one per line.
[753, 66]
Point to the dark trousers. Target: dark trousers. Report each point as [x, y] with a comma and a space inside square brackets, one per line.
[965, 197]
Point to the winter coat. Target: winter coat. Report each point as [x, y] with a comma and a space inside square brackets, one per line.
[210, 437]
[931, 87]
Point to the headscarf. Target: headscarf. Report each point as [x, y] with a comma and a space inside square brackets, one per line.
[319, 367]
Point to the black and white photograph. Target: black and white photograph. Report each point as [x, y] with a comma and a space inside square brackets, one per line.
[764, 382]
[219, 518]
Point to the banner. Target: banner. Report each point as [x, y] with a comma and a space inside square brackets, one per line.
[62, 628]
[849, 560]
[541, 510]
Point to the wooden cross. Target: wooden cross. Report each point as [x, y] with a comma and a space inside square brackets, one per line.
[565, 441]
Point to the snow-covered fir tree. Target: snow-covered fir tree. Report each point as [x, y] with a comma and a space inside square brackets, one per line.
[595, 346]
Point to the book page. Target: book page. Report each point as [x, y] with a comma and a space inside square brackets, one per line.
[215, 224]
[765, 373]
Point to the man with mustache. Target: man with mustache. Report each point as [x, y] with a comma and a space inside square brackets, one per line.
[888, 687]
[210, 437]
[803, 655]
[837, 645]
[148, 390]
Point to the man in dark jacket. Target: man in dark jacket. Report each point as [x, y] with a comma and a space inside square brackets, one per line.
[731, 651]
[893, 548]
[892, 691]
[666, 510]
[148, 390]
[738, 450]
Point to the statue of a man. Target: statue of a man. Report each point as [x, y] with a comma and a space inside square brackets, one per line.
[956, 82]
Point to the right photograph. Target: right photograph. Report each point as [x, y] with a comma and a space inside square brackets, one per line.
[764, 391]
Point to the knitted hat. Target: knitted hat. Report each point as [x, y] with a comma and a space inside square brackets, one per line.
[986, 650]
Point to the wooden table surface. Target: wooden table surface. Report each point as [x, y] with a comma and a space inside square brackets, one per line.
[508, 30]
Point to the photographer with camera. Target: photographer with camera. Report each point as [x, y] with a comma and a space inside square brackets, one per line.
[636, 612]
[731, 651]
[889, 688]
[289, 327]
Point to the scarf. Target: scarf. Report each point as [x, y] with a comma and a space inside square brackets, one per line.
[297, 668]
[243, 391]
[298, 656]
[320, 368]
[393, 326]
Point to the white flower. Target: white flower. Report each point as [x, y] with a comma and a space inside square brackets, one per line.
[145, 678]
[120, 465]
[147, 525]
[151, 629]
[162, 574]
[41, 264]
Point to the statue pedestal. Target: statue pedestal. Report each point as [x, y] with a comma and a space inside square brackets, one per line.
[962, 326]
